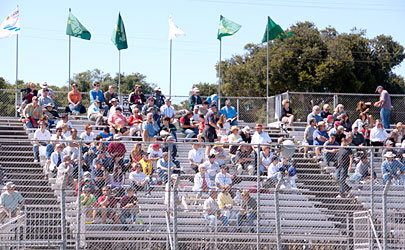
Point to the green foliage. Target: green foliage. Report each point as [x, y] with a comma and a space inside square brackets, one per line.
[206, 89]
[315, 61]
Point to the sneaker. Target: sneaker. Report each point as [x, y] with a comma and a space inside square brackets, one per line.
[148, 195]
[36, 161]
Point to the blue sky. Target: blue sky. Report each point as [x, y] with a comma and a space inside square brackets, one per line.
[43, 44]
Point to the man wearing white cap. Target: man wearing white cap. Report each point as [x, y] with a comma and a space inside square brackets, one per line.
[159, 97]
[10, 202]
[194, 99]
[392, 169]
[44, 85]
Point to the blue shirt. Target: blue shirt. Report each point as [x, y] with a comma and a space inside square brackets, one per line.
[96, 95]
[106, 136]
[292, 171]
[11, 201]
[229, 112]
[318, 118]
[392, 167]
[152, 129]
[318, 132]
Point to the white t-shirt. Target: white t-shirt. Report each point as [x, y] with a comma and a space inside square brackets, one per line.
[196, 155]
[212, 169]
[42, 136]
[62, 168]
[223, 179]
[263, 138]
[60, 123]
[272, 169]
[139, 177]
[86, 137]
[154, 153]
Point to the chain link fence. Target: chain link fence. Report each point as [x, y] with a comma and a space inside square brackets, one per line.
[302, 103]
[295, 203]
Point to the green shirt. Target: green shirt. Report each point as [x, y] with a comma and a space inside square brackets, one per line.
[90, 200]
[11, 201]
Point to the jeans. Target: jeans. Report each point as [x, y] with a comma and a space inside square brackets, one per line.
[341, 174]
[49, 150]
[29, 124]
[145, 187]
[213, 219]
[189, 133]
[247, 217]
[36, 150]
[328, 157]
[385, 117]
[162, 176]
[77, 110]
[125, 215]
[356, 177]
[400, 179]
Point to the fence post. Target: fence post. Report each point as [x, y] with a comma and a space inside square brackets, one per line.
[63, 210]
[384, 205]
[79, 193]
[372, 193]
[169, 185]
[175, 198]
[16, 100]
[258, 198]
[237, 109]
[277, 213]
[335, 101]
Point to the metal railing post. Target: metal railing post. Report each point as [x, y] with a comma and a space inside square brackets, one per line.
[237, 109]
[175, 198]
[79, 193]
[169, 183]
[63, 210]
[277, 213]
[16, 100]
[258, 198]
[372, 193]
[384, 205]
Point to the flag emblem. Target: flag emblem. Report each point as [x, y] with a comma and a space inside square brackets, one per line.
[10, 25]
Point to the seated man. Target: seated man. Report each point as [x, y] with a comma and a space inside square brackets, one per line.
[187, 127]
[139, 180]
[247, 212]
[99, 175]
[11, 202]
[108, 205]
[195, 157]
[273, 173]
[230, 113]
[41, 137]
[44, 99]
[212, 167]
[75, 100]
[392, 169]
[163, 167]
[245, 159]
[65, 168]
[330, 149]
[109, 95]
[94, 113]
[260, 137]
[223, 178]
[202, 182]
[150, 128]
[64, 120]
[225, 204]
[211, 210]
[52, 114]
[129, 206]
[168, 110]
[56, 158]
[32, 112]
[116, 148]
[315, 114]
[88, 136]
[363, 170]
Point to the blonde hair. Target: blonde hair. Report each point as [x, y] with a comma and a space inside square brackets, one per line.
[284, 102]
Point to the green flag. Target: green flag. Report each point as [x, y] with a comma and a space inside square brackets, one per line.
[275, 31]
[118, 37]
[227, 27]
[76, 29]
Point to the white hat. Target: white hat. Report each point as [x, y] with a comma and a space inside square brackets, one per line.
[44, 85]
[246, 129]
[196, 90]
[158, 89]
[389, 154]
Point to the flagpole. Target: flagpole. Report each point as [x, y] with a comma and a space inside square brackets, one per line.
[70, 52]
[119, 76]
[220, 76]
[170, 71]
[267, 79]
[16, 76]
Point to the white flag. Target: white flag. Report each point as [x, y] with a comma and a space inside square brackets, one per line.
[174, 31]
[11, 25]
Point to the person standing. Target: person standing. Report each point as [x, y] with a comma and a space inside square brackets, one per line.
[385, 105]
[11, 202]
[345, 160]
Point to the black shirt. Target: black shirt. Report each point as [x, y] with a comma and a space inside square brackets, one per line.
[343, 157]
[245, 138]
[210, 117]
[285, 112]
[324, 114]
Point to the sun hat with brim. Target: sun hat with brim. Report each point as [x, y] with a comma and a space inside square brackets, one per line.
[389, 142]
[234, 127]
[378, 87]
[389, 154]
[246, 129]
[44, 85]
[49, 105]
[10, 184]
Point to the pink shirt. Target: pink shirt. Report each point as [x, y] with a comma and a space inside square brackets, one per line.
[118, 119]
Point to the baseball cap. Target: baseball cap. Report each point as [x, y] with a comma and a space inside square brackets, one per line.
[10, 184]
[329, 117]
[378, 87]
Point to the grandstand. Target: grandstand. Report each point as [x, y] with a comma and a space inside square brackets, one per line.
[311, 217]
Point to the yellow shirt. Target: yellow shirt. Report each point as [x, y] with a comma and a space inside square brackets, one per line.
[146, 166]
[224, 200]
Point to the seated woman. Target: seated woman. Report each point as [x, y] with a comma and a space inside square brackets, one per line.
[202, 183]
[308, 135]
[339, 111]
[364, 107]
[286, 113]
[224, 128]
[345, 122]
[234, 137]
[361, 121]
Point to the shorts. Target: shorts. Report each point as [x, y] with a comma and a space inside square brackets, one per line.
[210, 135]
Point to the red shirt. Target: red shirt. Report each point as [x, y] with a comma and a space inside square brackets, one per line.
[135, 119]
[116, 148]
[112, 202]
[365, 134]
[201, 127]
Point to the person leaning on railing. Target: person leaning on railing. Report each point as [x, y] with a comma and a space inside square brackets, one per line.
[11, 202]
